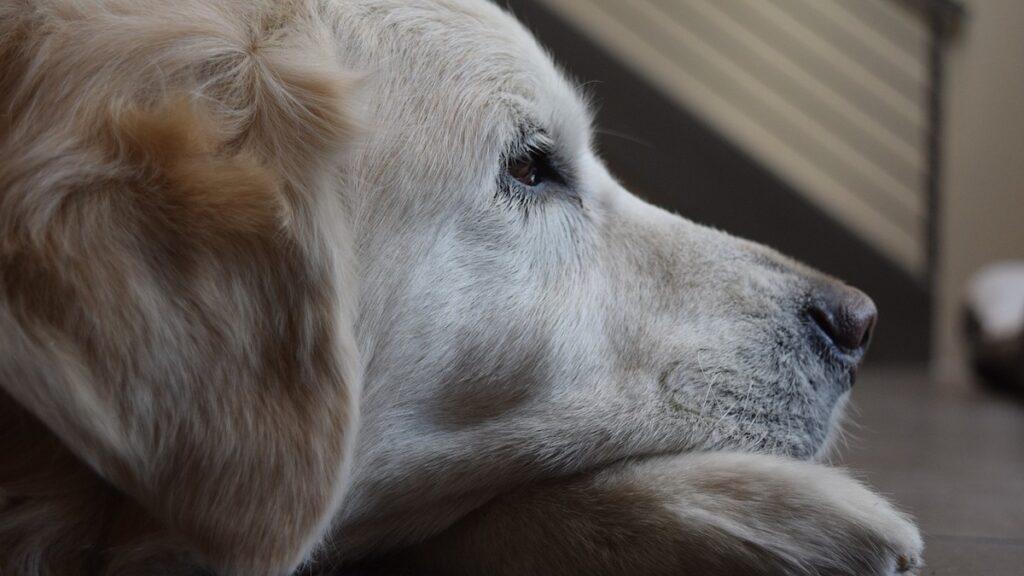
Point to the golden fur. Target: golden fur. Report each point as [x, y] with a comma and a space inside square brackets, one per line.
[163, 185]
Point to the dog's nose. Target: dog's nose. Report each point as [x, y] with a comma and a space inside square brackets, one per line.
[846, 315]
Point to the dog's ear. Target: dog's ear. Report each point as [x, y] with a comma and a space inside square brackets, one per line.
[176, 295]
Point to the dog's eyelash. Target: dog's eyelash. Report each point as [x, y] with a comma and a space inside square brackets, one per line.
[531, 173]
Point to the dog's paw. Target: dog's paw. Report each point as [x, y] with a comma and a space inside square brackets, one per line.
[798, 517]
[888, 543]
[896, 540]
[707, 514]
[908, 564]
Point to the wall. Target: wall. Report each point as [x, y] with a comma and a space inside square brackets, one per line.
[675, 157]
[983, 183]
[830, 95]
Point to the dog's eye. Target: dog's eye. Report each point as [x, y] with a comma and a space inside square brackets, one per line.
[524, 170]
[532, 168]
[532, 173]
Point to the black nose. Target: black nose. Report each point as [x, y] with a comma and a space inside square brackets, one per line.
[846, 315]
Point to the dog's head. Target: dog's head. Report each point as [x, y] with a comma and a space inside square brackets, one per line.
[187, 274]
[524, 315]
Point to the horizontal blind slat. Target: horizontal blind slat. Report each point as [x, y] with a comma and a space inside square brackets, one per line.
[729, 32]
[737, 65]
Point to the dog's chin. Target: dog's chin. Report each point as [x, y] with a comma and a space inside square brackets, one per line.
[795, 413]
[823, 434]
[835, 436]
[823, 438]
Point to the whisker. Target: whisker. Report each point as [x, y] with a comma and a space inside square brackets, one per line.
[709, 382]
[624, 136]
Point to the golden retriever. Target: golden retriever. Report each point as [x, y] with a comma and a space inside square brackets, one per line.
[311, 283]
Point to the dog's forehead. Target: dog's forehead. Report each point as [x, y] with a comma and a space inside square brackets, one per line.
[474, 57]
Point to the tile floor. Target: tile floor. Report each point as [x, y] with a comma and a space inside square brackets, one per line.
[954, 459]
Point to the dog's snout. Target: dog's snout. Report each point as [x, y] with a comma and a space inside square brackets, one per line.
[846, 315]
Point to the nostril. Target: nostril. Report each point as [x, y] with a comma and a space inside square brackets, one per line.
[846, 315]
[823, 320]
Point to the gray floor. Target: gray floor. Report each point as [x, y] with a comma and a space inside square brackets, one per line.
[954, 458]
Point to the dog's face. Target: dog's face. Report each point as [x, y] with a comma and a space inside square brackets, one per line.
[521, 314]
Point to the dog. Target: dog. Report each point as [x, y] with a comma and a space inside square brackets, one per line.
[320, 284]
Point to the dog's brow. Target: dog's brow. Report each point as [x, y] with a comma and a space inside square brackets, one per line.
[525, 131]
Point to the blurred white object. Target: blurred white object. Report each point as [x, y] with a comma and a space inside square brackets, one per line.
[995, 323]
[996, 298]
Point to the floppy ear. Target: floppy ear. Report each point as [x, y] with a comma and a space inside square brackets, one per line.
[176, 298]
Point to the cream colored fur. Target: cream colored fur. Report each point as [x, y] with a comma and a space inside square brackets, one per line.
[271, 295]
